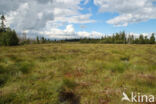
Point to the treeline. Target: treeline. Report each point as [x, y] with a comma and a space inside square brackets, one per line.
[118, 38]
[38, 40]
[122, 38]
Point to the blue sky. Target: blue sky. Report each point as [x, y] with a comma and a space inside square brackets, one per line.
[79, 18]
[100, 25]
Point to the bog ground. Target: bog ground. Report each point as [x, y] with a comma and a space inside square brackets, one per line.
[73, 73]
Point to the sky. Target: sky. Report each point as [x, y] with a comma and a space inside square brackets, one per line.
[60, 19]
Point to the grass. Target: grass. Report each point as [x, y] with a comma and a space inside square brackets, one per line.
[73, 73]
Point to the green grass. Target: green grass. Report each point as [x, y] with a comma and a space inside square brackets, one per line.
[73, 73]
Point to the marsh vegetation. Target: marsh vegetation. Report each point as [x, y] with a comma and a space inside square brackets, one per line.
[73, 73]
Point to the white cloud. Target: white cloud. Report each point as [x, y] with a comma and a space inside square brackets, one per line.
[136, 35]
[42, 14]
[69, 29]
[67, 11]
[81, 19]
[86, 2]
[56, 33]
[27, 15]
[93, 34]
[130, 11]
[69, 32]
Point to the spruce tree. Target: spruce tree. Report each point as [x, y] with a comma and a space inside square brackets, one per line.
[152, 39]
[2, 27]
[8, 37]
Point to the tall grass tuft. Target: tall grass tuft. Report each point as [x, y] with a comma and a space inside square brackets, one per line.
[25, 67]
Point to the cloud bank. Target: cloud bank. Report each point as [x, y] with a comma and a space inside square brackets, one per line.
[27, 15]
[69, 33]
[130, 11]
[42, 14]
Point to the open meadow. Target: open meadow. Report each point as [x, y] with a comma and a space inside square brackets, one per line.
[74, 73]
